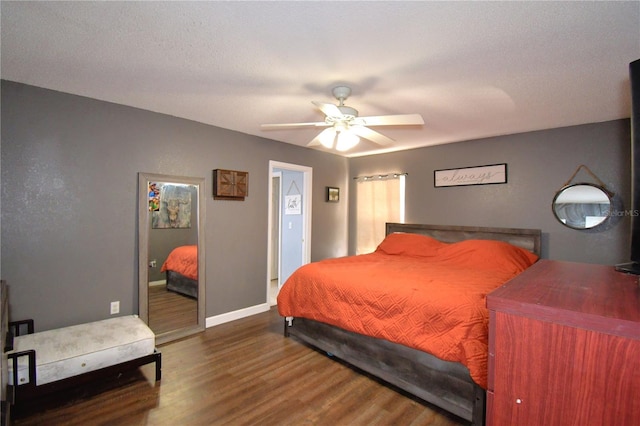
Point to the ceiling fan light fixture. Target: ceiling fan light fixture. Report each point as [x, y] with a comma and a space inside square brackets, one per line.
[346, 141]
[344, 127]
[327, 138]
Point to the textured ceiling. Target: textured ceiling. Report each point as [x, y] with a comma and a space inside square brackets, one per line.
[471, 69]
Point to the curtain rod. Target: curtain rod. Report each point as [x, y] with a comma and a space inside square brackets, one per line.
[381, 176]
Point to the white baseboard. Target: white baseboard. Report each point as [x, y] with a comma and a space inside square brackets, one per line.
[155, 283]
[235, 315]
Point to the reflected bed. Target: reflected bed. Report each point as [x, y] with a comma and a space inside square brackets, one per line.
[181, 269]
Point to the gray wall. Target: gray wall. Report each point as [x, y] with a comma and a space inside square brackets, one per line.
[69, 193]
[538, 163]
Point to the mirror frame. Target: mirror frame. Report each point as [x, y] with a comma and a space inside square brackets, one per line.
[143, 252]
[564, 188]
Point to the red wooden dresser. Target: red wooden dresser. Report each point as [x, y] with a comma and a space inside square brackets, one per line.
[564, 347]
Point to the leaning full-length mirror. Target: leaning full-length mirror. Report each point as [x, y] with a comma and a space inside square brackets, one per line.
[171, 255]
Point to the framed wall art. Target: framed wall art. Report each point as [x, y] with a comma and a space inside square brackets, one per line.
[170, 204]
[333, 194]
[479, 175]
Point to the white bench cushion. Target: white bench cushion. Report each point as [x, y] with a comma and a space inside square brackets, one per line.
[70, 351]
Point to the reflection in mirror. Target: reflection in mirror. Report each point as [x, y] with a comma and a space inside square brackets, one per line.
[171, 252]
[582, 205]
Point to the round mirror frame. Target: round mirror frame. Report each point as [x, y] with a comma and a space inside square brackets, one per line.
[606, 193]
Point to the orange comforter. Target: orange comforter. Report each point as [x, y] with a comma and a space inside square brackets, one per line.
[420, 293]
[183, 259]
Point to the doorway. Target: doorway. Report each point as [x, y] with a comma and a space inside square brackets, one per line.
[290, 189]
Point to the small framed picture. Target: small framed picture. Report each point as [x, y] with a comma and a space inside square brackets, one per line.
[333, 194]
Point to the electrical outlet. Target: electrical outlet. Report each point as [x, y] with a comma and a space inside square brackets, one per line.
[153, 263]
[115, 307]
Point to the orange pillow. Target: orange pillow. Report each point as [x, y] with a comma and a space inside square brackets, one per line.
[410, 245]
[489, 254]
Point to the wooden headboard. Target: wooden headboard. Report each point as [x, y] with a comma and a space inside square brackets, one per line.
[528, 239]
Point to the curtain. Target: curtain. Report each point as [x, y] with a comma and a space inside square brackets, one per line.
[380, 199]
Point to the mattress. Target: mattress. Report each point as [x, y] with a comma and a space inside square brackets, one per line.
[78, 349]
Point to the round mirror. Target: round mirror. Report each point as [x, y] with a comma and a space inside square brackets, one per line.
[582, 205]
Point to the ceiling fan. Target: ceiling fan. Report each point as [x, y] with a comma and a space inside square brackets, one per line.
[343, 126]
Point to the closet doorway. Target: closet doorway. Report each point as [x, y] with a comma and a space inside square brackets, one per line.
[289, 223]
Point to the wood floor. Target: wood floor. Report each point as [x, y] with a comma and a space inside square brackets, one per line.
[169, 310]
[241, 373]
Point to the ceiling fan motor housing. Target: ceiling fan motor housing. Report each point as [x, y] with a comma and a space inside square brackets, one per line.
[341, 93]
[348, 111]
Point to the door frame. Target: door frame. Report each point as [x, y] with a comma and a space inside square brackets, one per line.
[276, 215]
[306, 216]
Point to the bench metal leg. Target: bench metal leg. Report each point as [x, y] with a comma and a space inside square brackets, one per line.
[158, 359]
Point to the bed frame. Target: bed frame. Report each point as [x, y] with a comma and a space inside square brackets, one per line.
[178, 283]
[445, 384]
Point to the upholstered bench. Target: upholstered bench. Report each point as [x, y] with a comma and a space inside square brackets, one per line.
[55, 359]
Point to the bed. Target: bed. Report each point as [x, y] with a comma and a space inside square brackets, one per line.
[181, 269]
[389, 344]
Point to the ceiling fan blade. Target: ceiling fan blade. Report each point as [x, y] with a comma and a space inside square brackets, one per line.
[289, 125]
[326, 135]
[372, 135]
[391, 120]
[330, 110]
